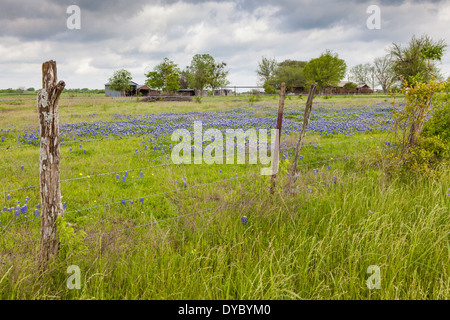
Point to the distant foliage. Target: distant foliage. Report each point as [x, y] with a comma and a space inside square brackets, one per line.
[165, 76]
[120, 81]
[327, 70]
[269, 89]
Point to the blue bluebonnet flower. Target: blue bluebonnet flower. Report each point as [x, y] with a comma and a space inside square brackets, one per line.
[220, 171]
[21, 167]
[244, 220]
[38, 206]
[117, 176]
[141, 174]
[24, 209]
[36, 213]
[8, 197]
[141, 200]
[84, 150]
[126, 174]
[64, 206]
[70, 149]
[301, 157]
[124, 178]
[370, 211]
[123, 202]
[328, 168]
[334, 180]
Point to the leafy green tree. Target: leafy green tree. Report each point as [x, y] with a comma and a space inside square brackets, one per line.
[350, 86]
[289, 72]
[266, 69]
[417, 61]
[218, 76]
[327, 70]
[199, 71]
[120, 81]
[269, 89]
[165, 76]
[204, 72]
[31, 89]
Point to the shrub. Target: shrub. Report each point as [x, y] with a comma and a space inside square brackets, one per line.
[198, 99]
[427, 155]
[253, 99]
[269, 89]
[439, 123]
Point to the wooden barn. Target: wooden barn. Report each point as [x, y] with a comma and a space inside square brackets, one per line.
[340, 89]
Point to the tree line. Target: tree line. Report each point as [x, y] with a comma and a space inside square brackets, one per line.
[401, 66]
[204, 72]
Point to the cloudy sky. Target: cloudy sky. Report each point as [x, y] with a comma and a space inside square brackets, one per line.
[137, 35]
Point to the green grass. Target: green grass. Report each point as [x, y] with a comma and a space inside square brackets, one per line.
[305, 245]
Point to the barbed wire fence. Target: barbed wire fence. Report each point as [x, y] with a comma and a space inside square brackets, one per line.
[141, 199]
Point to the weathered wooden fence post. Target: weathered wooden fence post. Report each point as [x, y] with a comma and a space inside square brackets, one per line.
[293, 173]
[278, 141]
[49, 160]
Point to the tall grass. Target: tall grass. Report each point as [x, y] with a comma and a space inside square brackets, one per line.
[314, 243]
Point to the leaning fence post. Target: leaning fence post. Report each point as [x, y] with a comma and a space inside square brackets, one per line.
[278, 141]
[293, 173]
[49, 160]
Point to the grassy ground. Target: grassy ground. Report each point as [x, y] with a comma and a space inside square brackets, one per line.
[187, 241]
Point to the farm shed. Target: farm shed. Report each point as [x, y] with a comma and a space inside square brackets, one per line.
[223, 92]
[134, 89]
[192, 92]
[112, 93]
[186, 92]
[298, 89]
[364, 88]
[146, 91]
[339, 89]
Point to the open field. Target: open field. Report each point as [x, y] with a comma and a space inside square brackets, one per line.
[156, 230]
